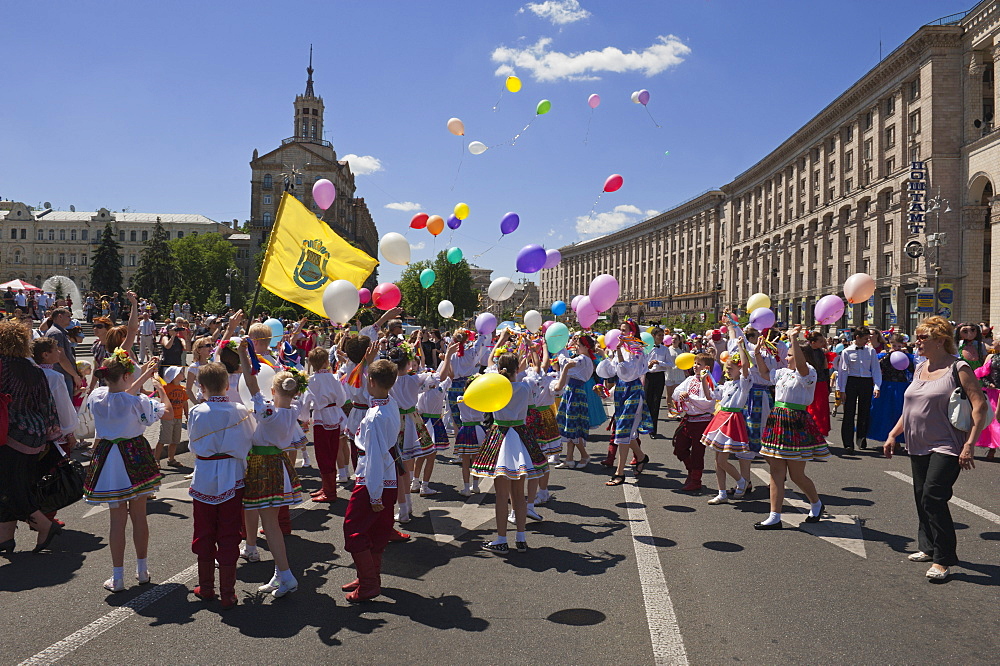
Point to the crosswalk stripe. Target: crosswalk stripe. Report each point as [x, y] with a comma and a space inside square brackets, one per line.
[961, 503]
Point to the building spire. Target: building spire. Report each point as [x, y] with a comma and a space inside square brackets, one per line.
[309, 69]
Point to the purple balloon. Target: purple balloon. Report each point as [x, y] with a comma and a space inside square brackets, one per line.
[644, 97]
[899, 360]
[828, 309]
[575, 302]
[531, 258]
[364, 295]
[509, 223]
[552, 258]
[454, 222]
[486, 323]
[762, 318]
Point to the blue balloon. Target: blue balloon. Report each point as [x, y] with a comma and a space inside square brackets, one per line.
[277, 331]
[558, 308]
[506, 324]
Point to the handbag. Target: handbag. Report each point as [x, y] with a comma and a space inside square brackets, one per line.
[60, 487]
[959, 406]
[85, 424]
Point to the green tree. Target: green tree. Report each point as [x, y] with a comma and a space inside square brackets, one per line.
[157, 274]
[214, 304]
[452, 282]
[202, 262]
[106, 265]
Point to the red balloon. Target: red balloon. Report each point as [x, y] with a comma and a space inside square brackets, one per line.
[419, 221]
[386, 296]
[364, 295]
[613, 183]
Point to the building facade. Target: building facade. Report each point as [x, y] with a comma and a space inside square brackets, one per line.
[295, 166]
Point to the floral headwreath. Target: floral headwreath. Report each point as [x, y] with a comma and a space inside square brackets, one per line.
[124, 359]
[301, 381]
[408, 350]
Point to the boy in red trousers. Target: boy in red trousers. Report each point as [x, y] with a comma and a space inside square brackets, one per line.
[368, 521]
[695, 400]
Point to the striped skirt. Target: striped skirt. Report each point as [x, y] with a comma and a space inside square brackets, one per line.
[435, 424]
[270, 481]
[121, 470]
[758, 409]
[547, 433]
[414, 441]
[510, 451]
[727, 433]
[469, 439]
[631, 412]
[574, 411]
[455, 392]
[791, 434]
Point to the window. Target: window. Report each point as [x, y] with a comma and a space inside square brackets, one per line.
[305, 128]
[24, 234]
[833, 144]
[131, 260]
[869, 120]
[72, 259]
[890, 137]
[267, 180]
[890, 105]
[121, 259]
[49, 259]
[121, 236]
[831, 194]
[180, 234]
[52, 234]
[849, 133]
[915, 122]
[145, 236]
[85, 234]
[267, 199]
[41, 234]
[915, 153]
[848, 185]
[890, 166]
[868, 238]
[914, 89]
[83, 259]
[72, 234]
[17, 256]
[868, 176]
[849, 160]
[868, 149]
[866, 265]
[267, 218]
[131, 236]
[312, 133]
[62, 259]
[166, 234]
[888, 231]
[13, 234]
[833, 169]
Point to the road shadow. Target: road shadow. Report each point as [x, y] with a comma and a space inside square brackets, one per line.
[897, 542]
[22, 570]
[578, 532]
[556, 559]
[986, 574]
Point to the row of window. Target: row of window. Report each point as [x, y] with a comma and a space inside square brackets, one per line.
[84, 235]
[60, 259]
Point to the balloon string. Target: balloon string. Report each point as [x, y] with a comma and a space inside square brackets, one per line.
[461, 159]
[594, 207]
[651, 116]
[502, 89]
[518, 135]
[588, 127]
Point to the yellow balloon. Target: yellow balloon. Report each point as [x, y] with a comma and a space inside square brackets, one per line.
[649, 329]
[513, 83]
[684, 361]
[461, 210]
[600, 341]
[758, 301]
[488, 393]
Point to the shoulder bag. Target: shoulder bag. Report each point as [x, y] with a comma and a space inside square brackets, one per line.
[960, 407]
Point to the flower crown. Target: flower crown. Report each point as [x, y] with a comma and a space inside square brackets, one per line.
[122, 357]
[301, 381]
[407, 349]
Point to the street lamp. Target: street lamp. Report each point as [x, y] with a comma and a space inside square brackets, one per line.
[230, 272]
[937, 239]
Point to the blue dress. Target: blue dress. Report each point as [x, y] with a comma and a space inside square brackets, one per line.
[888, 406]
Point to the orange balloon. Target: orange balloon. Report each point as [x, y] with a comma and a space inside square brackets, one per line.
[435, 224]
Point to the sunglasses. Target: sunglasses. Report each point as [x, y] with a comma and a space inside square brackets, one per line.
[922, 336]
[204, 346]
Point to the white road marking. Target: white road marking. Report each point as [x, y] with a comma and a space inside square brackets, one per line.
[78, 639]
[664, 632]
[469, 515]
[961, 503]
[841, 531]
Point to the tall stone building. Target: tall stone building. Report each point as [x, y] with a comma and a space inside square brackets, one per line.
[294, 166]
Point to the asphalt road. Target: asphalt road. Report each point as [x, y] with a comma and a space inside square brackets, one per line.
[605, 566]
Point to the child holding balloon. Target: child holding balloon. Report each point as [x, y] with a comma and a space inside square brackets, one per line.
[631, 412]
[574, 409]
[464, 363]
[695, 399]
[761, 397]
[727, 431]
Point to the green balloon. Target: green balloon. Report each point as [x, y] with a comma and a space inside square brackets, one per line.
[454, 255]
[427, 277]
[543, 107]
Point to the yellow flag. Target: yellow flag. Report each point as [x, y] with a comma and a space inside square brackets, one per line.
[304, 254]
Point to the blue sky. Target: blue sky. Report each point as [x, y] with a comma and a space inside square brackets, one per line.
[158, 106]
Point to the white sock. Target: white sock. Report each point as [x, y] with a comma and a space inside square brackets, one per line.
[475, 484]
[814, 509]
[531, 506]
[519, 536]
[342, 474]
[141, 568]
[250, 548]
[118, 573]
[499, 540]
[723, 494]
[285, 575]
[466, 487]
[741, 484]
[424, 486]
[772, 519]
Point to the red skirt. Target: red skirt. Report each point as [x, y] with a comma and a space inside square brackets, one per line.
[819, 410]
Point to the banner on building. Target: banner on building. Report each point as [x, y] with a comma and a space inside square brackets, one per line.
[870, 311]
[946, 300]
[893, 294]
[925, 299]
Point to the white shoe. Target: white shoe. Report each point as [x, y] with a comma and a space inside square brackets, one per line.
[919, 556]
[143, 580]
[542, 498]
[534, 514]
[937, 574]
[566, 464]
[249, 555]
[112, 585]
[476, 490]
[583, 463]
[414, 486]
[719, 499]
[511, 519]
[404, 517]
[465, 492]
[271, 585]
[284, 587]
[427, 492]
[188, 477]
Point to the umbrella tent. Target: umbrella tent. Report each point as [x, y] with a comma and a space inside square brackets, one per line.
[19, 284]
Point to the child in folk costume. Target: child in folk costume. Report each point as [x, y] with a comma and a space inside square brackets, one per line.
[368, 521]
[432, 397]
[432, 405]
[465, 362]
[353, 374]
[791, 437]
[123, 473]
[989, 377]
[727, 432]
[542, 417]
[325, 397]
[468, 441]
[695, 401]
[220, 434]
[271, 481]
[887, 406]
[508, 456]
[574, 409]
[761, 398]
[631, 411]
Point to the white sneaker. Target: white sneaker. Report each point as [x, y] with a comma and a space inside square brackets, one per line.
[511, 519]
[404, 517]
[566, 464]
[143, 580]
[284, 587]
[476, 490]
[534, 514]
[112, 585]
[919, 556]
[414, 486]
[428, 491]
[465, 492]
[249, 555]
[271, 585]
[188, 477]
[719, 499]
[542, 498]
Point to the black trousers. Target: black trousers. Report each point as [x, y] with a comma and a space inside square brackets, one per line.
[857, 400]
[934, 477]
[654, 395]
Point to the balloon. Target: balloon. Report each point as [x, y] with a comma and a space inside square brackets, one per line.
[509, 223]
[506, 324]
[513, 83]
[600, 341]
[612, 338]
[435, 224]
[828, 309]
[724, 356]
[478, 148]
[558, 308]
[531, 258]
[486, 323]
[446, 309]
[545, 326]
[265, 379]
[668, 340]
[899, 360]
[684, 361]
[647, 341]
[454, 255]
[556, 337]
[456, 127]
[488, 393]
[613, 183]
[453, 222]
[386, 296]
[635, 97]
[427, 277]
[552, 258]
[643, 97]
[587, 317]
[501, 289]
[364, 295]
[762, 318]
[533, 320]
[594, 101]
[575, 302]
[461, 210]
[603, 292]
[859, 288]
[419, 221]
[340, 301]
[543, 107]
[277, 331]
[758, 300]
[324, 193]
[395, 248]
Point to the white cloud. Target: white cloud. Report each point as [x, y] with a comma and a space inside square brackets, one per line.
[559, 12]
[418, 246]
[363, 165]
[404, 206]
[651, 212]
[617, 218]
[546, 65]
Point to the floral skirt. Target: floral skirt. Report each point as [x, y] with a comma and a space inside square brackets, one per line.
[546, 430]
[436, 424]
[122, 469]
[270, 481]
[631, 412]
[511, 452]
[414, 441]
[469, 439]
[455, 392]
[792, 434]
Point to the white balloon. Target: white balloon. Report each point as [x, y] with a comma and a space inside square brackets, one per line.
[501, 289]
[478, 147]
[533, 320]
[265, 378]
[340, 301]
[446, 309]
[635, 97]
[395, 248]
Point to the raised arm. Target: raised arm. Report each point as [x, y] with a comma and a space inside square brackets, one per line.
[248, 376]
[765, 372]
[446, 371]
[801, 365]
[744, 359]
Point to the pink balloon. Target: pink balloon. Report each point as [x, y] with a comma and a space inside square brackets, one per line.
[613, 183]
[828, 309]
[486, 323]
[386, 296]
[586, 314]
[546, 324]
[643, 97]
[667, 340]
[612, 338]
[604, 291]
[364, 295]
[859, 287]
[594, 101]
[575, 302]
[762, 318]
[324, 193]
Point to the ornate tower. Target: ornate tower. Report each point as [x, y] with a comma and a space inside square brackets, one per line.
[308, 110]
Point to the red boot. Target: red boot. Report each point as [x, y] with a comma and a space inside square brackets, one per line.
[693, 482]
[350, 587]
[205, 589]
[396, 536]
[368, 587]
[328, 493]
[377, 558]
[285, 520]
[227, 586]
